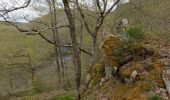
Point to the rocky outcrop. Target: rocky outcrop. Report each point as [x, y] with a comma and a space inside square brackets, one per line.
[138, 64]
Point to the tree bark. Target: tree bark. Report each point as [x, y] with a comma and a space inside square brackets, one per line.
[58, 42]
[76, 50]
[51, 8]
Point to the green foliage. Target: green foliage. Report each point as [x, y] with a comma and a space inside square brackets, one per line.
[38, 86]
[155, 97]
[121, 54]
[134, 32]
[62, 98]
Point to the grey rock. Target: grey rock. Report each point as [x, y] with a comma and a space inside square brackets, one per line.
[134, 74]
[109, 72]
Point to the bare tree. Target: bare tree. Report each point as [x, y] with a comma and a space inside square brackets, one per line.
[102, 12]
[12, 65]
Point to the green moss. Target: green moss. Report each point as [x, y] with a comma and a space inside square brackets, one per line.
[155, 75]
[128, 71]
[111, 42]
[98, 72]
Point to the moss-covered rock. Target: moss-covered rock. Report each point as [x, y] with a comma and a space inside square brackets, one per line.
[110, 44]
[98, 72]
[137, 62]
[142, 51]
[148, 72]
[118, 52]
[156, 75]
[126, 72]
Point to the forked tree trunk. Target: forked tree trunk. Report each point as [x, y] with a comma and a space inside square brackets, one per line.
[102, 12]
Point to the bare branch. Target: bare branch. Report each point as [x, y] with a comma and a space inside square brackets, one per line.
[105, 5]
[83, 17]
[110, 9]
[99, 7]
[45, 38]
[86, 52]
[38, 22]
[6, 11]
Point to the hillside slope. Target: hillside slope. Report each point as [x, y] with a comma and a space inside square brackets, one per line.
[13, 44]
[152, 15]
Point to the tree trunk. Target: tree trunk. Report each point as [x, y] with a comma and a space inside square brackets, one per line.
[10, 80]
[32, 69]
[92, 61]
[10, 75]
[55, 37]
[76, 52]
[58, 64]
[62, 66]
[67, 77]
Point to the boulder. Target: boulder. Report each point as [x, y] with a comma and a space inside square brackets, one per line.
[109, 70]
[129, 61]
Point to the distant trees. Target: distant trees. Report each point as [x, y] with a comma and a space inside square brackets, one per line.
[101, 11]
[53, 27]
[14, 64]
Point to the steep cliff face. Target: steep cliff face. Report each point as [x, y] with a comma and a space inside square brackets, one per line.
[136, 70]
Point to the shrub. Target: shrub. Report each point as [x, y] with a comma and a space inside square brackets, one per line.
[134, 32]
[38, 86]
[155, 97]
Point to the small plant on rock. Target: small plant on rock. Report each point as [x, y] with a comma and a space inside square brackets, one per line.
[134, 32]
[155, 97]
